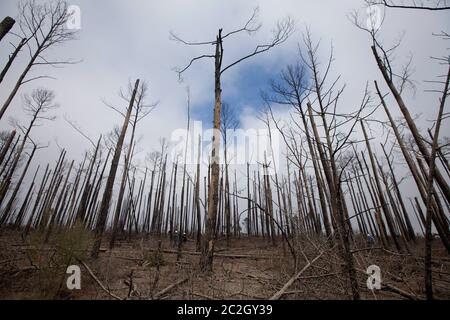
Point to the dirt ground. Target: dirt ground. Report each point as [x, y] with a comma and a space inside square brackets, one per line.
[249, 268]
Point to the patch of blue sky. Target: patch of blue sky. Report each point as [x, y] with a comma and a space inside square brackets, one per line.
[240, 89]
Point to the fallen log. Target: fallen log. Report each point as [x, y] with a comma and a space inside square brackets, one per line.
[22, 247]
[98, 281]
[282, 291]
[167, 289]
[203, 296]
[222, 255]
[391, 288]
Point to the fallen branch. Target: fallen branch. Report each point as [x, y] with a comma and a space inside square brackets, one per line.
[16, 272]
[98, 281]
[252, 275]
[389, 287]
[320, 276]
[193, 253]
[366, 249]
[282, 291]
[11, 260]
[167, 289]
[203, 296]
[22, 247]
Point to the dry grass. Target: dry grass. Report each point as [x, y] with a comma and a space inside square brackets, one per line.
[136, 270]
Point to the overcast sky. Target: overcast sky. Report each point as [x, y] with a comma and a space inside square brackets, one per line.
[120, 41]
[124, 40]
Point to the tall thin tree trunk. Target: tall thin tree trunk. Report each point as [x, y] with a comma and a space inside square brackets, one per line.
[431, 176]
[412, 126]
[206, 260]
[8, 207]
[6, 145]
[104, 207]
[383, 202]
[197, 198]
[6, 25]
[11, 59]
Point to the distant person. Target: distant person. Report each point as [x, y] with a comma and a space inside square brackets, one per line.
[370, 240]
[174, 240]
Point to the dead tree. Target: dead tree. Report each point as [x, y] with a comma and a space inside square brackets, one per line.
[12, 57]
[44, 27]
[107, 194]
[17, 49]
[6, 25]
[269, 203]
[45, 211]
[55, 216]
[32, 217]
[229, 123]
[292, 90]
[11, 153]
[383, 59]
[435, 5]
[9, 205]
[249, 220]
[380, 192]
[281, 34]
[140, 111]
[197, 199]
[36, 105]
[86, 186]
[441, 228]
[409, 227]
[337, 129]
[266, 120]
[6, 144]
[19, 220]
[429, 189]
[182, 229]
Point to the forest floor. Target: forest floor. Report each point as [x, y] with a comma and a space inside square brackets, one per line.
[248, 268]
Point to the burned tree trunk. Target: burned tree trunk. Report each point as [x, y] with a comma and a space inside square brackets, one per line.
[412, 126]
[8, 207]
[441, 224]
[104, 207]
[197, 199]
[6, 25]
[384, 206]
[206, 260]
[11, 59]
[5, 146]
[430, 180]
